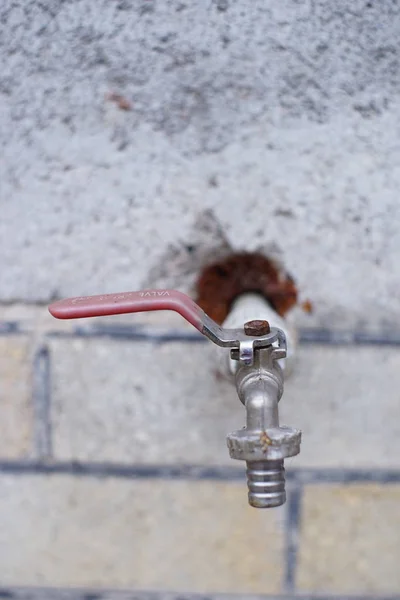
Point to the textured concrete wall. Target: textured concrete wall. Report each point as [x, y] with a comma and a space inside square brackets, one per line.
[279, 119]
[240, 125]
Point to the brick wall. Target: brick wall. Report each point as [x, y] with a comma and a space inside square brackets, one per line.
[110, 480]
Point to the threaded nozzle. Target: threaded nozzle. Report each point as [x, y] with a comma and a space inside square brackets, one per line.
[266, 483]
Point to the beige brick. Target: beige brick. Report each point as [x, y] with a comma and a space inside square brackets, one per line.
[350, 539]
[346, 402]
[143, 402]
[114, 533]
[126, 401]
[15, 409]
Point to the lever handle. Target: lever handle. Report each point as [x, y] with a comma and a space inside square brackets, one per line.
[146, 300]
[129, 302]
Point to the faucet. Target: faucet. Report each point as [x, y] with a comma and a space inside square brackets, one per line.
[263, 443]
[255, 348]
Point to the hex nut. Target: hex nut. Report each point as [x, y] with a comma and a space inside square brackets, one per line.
[272, 444]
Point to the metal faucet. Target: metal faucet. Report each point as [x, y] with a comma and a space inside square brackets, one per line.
[263, 443]
[256, 347]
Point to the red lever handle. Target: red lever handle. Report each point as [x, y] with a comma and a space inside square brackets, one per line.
[130, 302]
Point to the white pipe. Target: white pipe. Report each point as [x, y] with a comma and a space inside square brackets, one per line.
[248, 307]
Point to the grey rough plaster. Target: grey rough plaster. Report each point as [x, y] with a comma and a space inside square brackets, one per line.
[276, 124]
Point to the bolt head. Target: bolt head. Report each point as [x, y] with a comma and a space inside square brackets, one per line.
[256, 328]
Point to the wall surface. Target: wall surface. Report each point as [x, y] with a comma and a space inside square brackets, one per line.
[277, 122]
[140, 140]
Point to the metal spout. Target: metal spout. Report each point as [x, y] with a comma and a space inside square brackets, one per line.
[263, 443]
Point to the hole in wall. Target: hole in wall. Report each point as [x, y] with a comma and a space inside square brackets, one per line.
[205, 265]
[222, 281]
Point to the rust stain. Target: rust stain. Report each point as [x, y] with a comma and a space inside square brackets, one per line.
[307, 306]
[265, 441]
[119, 100]
[221, 282]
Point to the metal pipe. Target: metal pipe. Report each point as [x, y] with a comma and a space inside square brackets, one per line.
[261, 408]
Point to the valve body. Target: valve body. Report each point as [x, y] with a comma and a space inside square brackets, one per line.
[263, 443]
